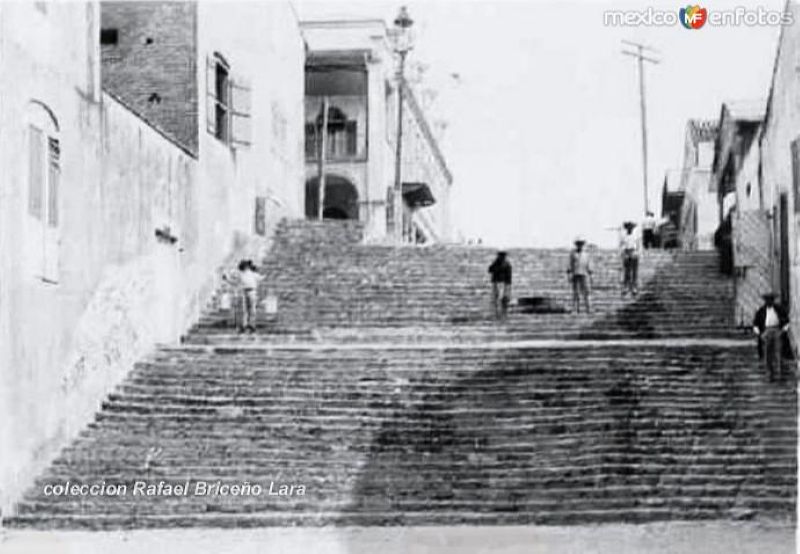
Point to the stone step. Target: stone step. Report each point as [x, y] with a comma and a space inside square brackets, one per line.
[376, 517]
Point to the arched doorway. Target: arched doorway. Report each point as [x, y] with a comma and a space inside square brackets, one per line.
[341, 198]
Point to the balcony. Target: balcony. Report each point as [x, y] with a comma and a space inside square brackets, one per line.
[342, 141]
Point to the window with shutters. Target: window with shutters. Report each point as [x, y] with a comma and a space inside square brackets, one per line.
[222, 109]
[228, 103]
[44, 175]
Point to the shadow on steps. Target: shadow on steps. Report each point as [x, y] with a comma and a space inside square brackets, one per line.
[642, 435]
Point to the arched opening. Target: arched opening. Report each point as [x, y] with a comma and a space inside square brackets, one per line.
[341, 198]
[334, 213]
[43, 191]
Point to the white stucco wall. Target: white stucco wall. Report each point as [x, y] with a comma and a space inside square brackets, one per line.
[45, 55]
[120, 290]
[781, 128]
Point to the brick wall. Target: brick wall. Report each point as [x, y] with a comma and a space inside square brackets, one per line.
[752, 244]
[152, 66]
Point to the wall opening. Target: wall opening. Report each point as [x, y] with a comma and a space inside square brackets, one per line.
[341, 198]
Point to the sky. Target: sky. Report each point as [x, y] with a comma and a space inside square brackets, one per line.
[543, 135]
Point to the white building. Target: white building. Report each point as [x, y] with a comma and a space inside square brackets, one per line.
[131, 171]
[351, 66]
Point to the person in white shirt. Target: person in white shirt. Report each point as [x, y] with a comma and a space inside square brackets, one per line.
[629, 250]
[580, 275]
[769, 324]
[246, 282]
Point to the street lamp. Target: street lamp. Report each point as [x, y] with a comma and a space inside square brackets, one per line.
[402, 45]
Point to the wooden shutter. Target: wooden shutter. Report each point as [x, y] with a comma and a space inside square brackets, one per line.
[240, 108]
[261, 216]
[50, 252]
[53, 178]
[35, 172]
[211, 95]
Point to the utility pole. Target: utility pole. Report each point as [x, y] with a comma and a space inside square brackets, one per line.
[323, 149]
[640, 56]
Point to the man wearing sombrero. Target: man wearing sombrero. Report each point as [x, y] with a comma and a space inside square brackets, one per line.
[629, 246]
[769, 324]
[580, 275]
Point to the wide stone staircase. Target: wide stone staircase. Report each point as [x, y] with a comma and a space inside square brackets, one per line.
[385, 389]
[330, 286]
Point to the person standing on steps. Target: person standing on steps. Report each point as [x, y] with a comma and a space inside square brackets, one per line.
[770, 324]
[580, 275]
[649, 231]
[246, 281]
[500, 270]
[629, 250]
[250, 278]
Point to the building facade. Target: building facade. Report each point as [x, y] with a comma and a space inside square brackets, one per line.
[735, 168]
[757, 167]
[780, 168]
[352, 93]
[142, 146]
[699, 215]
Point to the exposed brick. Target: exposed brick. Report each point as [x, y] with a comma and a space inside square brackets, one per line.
[155, 57]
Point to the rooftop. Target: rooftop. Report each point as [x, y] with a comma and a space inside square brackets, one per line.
[747, 110]
[703, 130]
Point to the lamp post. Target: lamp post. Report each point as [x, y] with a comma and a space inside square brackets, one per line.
[402, 45]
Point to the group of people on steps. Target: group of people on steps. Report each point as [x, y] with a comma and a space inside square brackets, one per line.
[770, 324]
[579, 273]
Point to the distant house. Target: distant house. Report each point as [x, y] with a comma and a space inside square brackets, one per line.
[672, 206]
[350, 67]
[688, 200]
[736, 156]
[699, 215]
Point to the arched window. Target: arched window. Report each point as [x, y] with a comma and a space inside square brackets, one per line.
[44, 175]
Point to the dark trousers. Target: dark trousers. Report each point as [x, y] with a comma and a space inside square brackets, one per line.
[649, 238]
[630, 266]
[772, 341]
[501, 297]
[580, 290]
[247, 302]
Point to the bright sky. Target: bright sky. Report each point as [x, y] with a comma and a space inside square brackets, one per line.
[544, 135]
